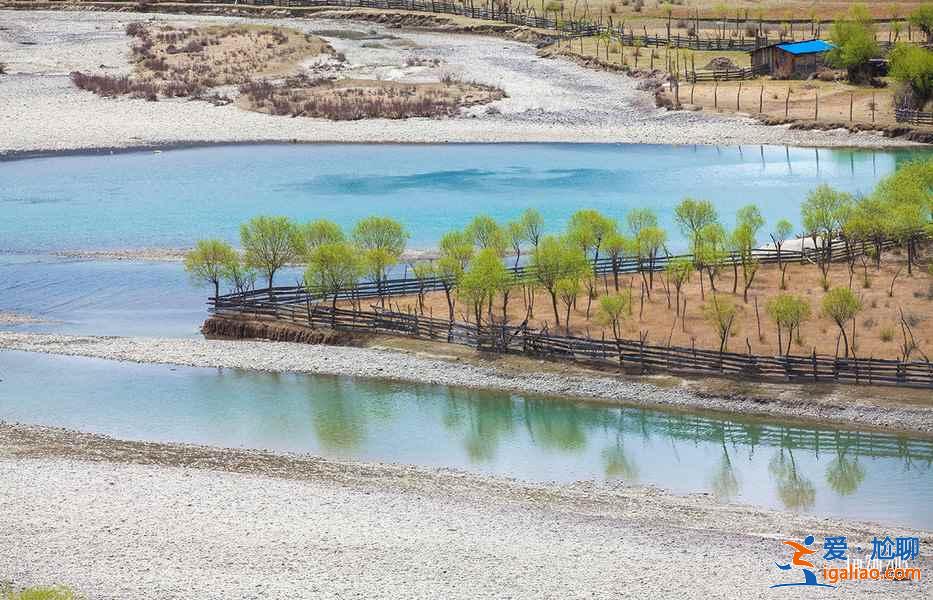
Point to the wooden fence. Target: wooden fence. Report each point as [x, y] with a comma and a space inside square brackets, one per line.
[628, 355]
[727, 74]
[629, 265]
[916, 117]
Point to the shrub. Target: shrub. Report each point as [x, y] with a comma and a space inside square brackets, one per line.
[913, 66]
[886, 334]
[39, 593]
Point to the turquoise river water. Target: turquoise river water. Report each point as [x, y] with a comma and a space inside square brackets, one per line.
[140, 200]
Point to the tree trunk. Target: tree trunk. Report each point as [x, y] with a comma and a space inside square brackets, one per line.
[554, 304]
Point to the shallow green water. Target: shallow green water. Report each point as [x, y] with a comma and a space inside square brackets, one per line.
[823, 471]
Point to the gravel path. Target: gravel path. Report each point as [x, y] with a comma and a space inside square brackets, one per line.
[135, 520]
[402, 366]
[548, 100]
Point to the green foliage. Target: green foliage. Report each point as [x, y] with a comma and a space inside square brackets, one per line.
[788, 312]
[240, 275]
[679, 271]
[39, 593]
[854, 38]
[487, 234]
[555, 259]
[825, 210]
[922, 18]
[640, 218]
[841, 305]
[612, 311]
[886, 334]
[532, 224]
[316, 233]
[588, 228]
[332, 268]
[720, 312]
[485, 277]
[913, 66]
[783, 229]
[710, 250]
[692, 216]
[207, 261]
[268, 244]
[381, 241]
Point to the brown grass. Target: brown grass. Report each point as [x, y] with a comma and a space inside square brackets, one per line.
[879, 317]
[173, 62]
[352, 99]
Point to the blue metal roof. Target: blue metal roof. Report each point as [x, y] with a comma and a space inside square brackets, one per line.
[808, 47]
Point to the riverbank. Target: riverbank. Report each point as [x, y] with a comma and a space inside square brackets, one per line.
[445, 364]
[160, 520]
[548, 100]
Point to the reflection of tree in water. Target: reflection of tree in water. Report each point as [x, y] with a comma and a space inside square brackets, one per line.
[725, 482]
[618, 465]
[794, 490]
[556, 425]
[844, 474]
[484, 418]
[338, 414]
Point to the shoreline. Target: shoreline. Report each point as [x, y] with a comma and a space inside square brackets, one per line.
[145, 519]
[18, 155]
[548, 100]
[885, 410]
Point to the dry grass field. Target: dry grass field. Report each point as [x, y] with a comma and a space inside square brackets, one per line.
[877, 326]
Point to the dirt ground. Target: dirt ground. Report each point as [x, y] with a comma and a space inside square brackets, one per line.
[877, 327]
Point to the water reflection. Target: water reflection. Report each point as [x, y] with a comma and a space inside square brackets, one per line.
[857, 474]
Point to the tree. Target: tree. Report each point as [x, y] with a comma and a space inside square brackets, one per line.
[615, 245]
[207, 261]
[720, 313]
[855, 45]
[823, 213]
[678, 272]
[782, 232]
[554, 259]
[912, 66]
[907, 198]
[240, 275]
[612, 311]
[456, 250]
[316, 233]
[692, 216]
[646, 245]
[744, 241]
[710, 254]
[532, 223]
[639, 218]
[423, 272]
[588, 228]
[515, 233]
[841, 305]
[485, 277]
[268, 244]
[486, 233]
[788, 312]
[332, 268]
[922, 18]
[568, 288]
[381, 241]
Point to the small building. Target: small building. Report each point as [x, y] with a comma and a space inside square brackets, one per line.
[791, 60]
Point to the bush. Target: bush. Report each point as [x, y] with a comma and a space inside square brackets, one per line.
[39, 593]
[886, 334]
[913, 66]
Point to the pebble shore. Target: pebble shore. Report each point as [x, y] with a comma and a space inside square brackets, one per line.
[549, 100]
[412, 367]
[116, 520]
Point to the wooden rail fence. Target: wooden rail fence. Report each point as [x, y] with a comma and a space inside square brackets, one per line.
[916, 117]
[727, 74]
[628, 355]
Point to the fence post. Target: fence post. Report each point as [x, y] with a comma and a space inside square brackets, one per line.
[815, 376]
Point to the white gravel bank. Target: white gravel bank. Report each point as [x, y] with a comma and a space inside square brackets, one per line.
[549, 100]
[385, 364]
[131, 520]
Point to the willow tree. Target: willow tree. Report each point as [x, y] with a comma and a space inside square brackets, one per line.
[268, 244]
[744, 240]
[720, 312]
[710, 253]
[532, 225]
[692, 216]
[381, 242]
[456, 250]
[485, 277]
[782, 232]
[588, 229]
[313, 234]
[907, 197]
[332, 268]
[822, 214]
[487, 234]
[788, 312]
[207, 262]
[841, 305]
[615, 245]
[678, 272]
[612, 311]
[240, 275]
[554, 259]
